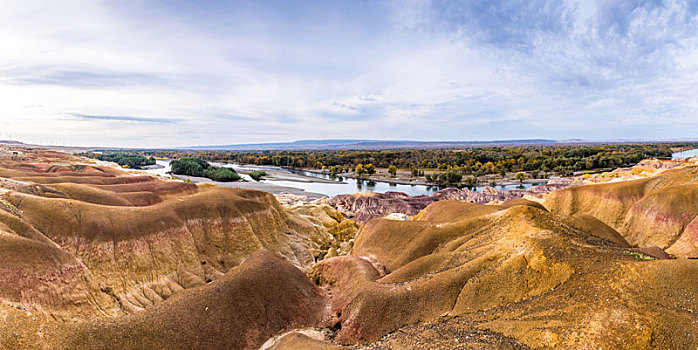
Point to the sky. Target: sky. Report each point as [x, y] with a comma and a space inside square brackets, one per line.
[180, 73]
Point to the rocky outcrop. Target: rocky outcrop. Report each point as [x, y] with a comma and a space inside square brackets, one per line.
[340, 230]
[365, 206]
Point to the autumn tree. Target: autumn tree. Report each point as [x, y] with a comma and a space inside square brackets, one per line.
[360, 170]
[520, 176]
[392, 170]
[370, 168]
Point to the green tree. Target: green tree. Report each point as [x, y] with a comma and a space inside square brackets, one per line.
[392, 170]
[470, 181]
[189, 166]
[520, 176]
[199, 167]
[221, 174]
[450, 177]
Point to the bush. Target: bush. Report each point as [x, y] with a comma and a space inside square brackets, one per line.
[257, 174]
[198, 167]
[221, 174]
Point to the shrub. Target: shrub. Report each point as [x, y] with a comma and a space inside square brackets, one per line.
[198, 167]
[257, 174]
[127, 160]
[221, 174]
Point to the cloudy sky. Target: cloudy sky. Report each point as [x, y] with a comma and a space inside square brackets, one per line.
[178, 73]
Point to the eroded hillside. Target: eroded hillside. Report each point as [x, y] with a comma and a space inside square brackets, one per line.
[80, 242]
[94, 259]
[654, 211]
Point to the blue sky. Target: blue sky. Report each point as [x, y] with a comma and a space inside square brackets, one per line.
[178, 73]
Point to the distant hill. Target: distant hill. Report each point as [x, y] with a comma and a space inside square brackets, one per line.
[10, 142]
[366, 144]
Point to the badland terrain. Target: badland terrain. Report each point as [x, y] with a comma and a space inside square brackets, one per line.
[97, 257]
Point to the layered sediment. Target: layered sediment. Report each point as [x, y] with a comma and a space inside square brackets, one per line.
[82, 242]
[655, 211]
[95, 259]
[365, 206]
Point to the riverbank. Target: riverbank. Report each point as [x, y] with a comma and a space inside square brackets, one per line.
[315, 184]
[284, 175]
[254, 185]
[403, 180]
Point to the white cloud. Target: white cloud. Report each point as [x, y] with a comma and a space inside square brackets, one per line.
[256, 72]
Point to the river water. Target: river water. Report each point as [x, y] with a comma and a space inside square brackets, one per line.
[685, 154]
[341, 185]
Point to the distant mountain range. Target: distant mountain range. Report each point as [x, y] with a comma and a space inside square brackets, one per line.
[371, 144]
[346, 144]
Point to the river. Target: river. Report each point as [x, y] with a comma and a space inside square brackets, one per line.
[340, 185]
[685, 154]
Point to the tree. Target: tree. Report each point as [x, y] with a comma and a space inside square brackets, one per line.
[450, 177]
[470, 181]
[392, 170]
[360, 170]
[370, 169]
[199, 167]
[221, 174]
[189, 166]
[520, 176]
